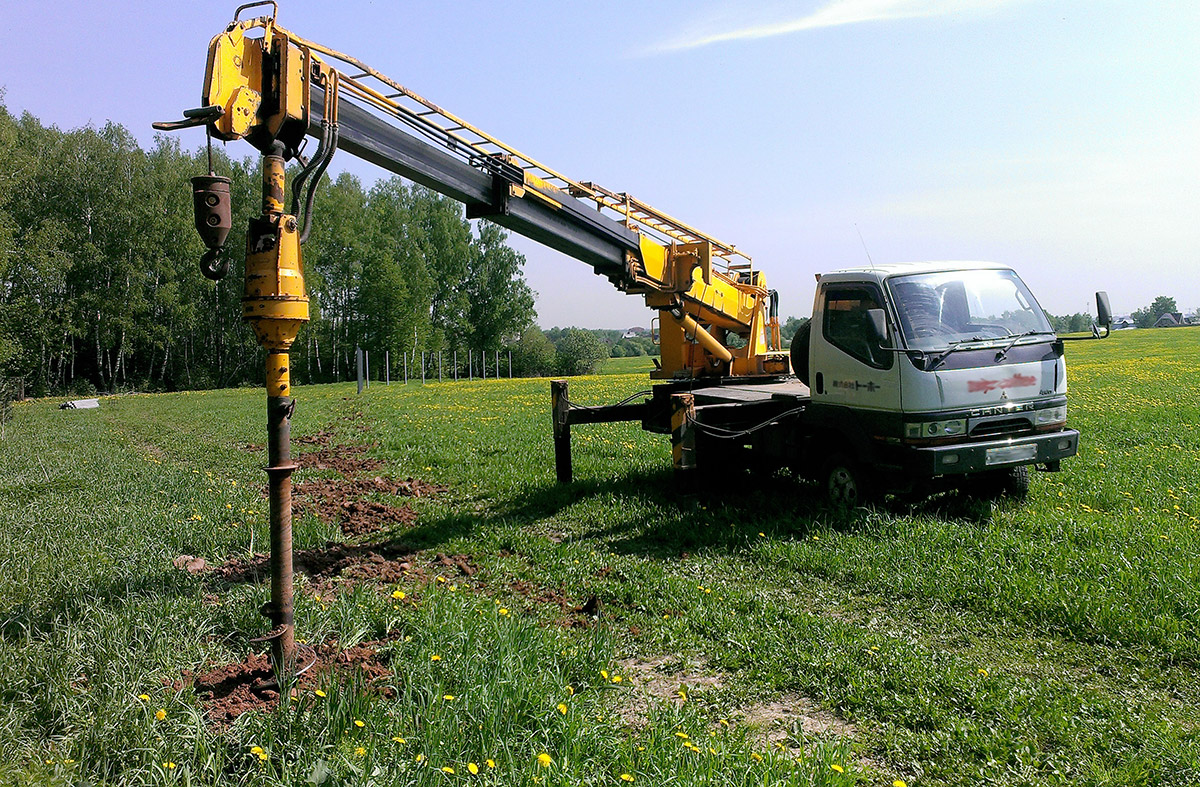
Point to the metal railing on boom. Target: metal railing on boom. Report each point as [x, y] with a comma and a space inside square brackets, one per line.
[485, 152]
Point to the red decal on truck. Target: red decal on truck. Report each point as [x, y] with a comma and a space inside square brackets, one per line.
[1016, 381]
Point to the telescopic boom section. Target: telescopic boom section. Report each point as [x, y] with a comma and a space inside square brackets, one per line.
[717, 317]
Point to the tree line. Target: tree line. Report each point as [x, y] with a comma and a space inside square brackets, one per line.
[100, 289]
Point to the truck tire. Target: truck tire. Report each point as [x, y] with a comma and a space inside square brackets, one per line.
[799, 352]
[1013, 482]
[847, 483]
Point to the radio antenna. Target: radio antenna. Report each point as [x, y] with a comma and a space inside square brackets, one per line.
[864, 245]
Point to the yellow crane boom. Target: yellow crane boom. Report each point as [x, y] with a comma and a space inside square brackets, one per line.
[270, 86]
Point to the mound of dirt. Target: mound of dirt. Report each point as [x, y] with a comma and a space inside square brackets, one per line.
[387, 561]
[359, 518]
[320, 438]
[349, 487]
[339, 500]
[345, 459]
[230, 690]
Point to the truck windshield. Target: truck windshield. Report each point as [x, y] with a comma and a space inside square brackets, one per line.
[941, 309]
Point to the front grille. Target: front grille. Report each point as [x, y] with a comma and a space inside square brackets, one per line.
[1002, 428]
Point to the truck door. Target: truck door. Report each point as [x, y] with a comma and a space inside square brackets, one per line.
[850, 366]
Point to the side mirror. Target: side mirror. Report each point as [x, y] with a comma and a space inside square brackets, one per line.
[878, 325]
[1103, 310]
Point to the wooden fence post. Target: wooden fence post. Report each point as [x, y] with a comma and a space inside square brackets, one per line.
[560, 410]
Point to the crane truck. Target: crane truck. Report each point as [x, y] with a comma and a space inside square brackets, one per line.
[905, 374]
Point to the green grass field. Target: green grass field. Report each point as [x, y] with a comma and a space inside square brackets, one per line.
[746, 635]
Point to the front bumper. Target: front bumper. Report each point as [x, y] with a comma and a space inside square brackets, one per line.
[994, 454]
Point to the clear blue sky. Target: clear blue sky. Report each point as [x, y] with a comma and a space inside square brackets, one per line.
[1059, 136]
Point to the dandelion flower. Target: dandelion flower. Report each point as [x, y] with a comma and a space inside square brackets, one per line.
[982, 672]
[435, 657]
[447, 769]
[319, 693]
[398, 739]
[836, 767]
[570, 690]
[626, 777]
[360, 751]
[604, 674]
[420, 758]
[398, 594]
[562, 709]
[256, 750]
[899, 783]
[491, 763]
[756, 756]
[160, 714]
[144, 697]
[544, 760]
[617, 678]
[682, 735]
[473, 768]
[448, 697]
[170, 766]
[359, 723]
[503, 611]
[682, 694]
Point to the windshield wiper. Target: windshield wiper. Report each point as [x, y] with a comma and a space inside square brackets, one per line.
[1003, 353]
[951, 347]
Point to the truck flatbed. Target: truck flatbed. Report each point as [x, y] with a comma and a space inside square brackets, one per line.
[791, 392]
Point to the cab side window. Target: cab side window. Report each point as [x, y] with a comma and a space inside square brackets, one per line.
[847, 325]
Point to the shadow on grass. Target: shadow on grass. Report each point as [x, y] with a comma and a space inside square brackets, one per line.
[659, 516]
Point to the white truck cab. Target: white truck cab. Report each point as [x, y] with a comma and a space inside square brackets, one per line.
[921, 370]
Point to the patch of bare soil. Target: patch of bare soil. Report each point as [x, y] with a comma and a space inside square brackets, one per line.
[230, 690]
[653, 679]
[782, 723]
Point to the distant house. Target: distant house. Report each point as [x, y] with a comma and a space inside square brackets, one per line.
[1172, 320]
[1123, 322]
[633, 333]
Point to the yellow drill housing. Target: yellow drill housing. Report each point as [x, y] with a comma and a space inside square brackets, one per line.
[274, 302]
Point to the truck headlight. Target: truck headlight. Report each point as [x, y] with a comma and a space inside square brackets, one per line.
[1051, 416]
[932, 429]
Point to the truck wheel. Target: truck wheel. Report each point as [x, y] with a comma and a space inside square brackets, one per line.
[799, 352]
[847, 484]
[1013, 482]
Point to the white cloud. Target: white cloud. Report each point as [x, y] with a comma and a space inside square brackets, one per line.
[834, 13]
